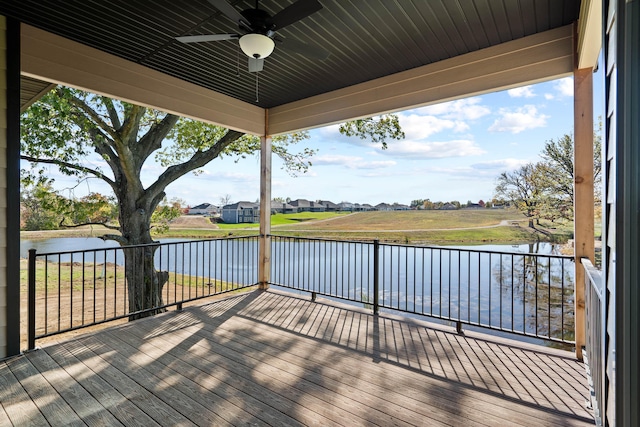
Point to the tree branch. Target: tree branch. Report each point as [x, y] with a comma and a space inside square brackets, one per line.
[110, 227]
[113, 113]
[116, 237]
[199, 159]
[93, 115]
[152, 140]
[132, 121]
[70, 166]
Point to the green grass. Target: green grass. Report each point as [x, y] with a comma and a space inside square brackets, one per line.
[286, 219]
[225, 226]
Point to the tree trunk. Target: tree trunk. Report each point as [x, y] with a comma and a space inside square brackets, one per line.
[144, 283]
[531, 223]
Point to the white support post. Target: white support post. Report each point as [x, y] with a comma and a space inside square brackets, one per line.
[264, 261]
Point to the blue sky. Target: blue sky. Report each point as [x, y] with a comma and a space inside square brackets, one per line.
[452, 151]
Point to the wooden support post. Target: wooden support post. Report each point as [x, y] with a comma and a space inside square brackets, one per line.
[583, 192]
[264, 252]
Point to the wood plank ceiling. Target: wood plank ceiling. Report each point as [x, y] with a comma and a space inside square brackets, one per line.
[366, 39]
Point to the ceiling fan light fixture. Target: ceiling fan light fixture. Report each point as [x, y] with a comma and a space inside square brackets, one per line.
[256, 45]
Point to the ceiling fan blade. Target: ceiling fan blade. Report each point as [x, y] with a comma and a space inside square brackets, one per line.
[255, 64]
[207, 38]
[295, 12]
[230, 12]
[306, 50]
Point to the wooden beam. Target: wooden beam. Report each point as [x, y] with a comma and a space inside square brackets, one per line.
[583, 192]
[264, 252]
[531, 59]
[589, 33]
[52, 58]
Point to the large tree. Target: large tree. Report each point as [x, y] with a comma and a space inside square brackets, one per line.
[68, 126]
[558, 175]
[522, 187]
[546, 189]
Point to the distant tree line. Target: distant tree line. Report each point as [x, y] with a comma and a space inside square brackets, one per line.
[44, 208]
[427, 204]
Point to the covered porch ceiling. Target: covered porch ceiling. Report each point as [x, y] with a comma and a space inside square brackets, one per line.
[383, 55]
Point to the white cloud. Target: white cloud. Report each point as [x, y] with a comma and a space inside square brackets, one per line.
[484, 171]
[351, 162]
[522, 92]
[500, 164]
[433, 150]
[420, 127]
[233, 176]
[461, 109]
[548, 96]
[518, 120]
[564, 86]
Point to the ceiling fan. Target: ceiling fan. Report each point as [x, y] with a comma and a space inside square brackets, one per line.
[257, 31]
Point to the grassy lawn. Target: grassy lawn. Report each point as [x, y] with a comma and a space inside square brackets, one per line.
[414, 220]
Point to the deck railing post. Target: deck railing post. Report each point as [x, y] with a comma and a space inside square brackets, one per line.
[32, 299]
[376, 276]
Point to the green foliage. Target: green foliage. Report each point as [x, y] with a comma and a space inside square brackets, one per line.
[558, 178]
[417, 204]
[45, 209]
[93, 208]
[190, 137]
[165, 213]
[42, 207]
[375, 129]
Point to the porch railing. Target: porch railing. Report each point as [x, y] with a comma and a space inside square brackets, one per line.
[594, 353]
[521, 293]
[75, 289]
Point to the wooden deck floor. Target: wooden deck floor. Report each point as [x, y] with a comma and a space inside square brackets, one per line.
[266, 358]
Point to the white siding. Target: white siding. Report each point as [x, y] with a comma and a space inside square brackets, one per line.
[3, 189]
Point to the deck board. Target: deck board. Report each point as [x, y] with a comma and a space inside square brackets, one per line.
[16, 402]
[108, 398]
[78, 398]
[268, 358]
[55, 410]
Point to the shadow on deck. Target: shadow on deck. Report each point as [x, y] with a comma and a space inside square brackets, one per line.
[268, 358]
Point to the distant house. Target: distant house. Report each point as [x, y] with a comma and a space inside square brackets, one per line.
[304, 205]
[367, 207]
[401, 207]
[473, 206]
[345, 206]
[279, 207]
[241, 212]
[448, 207]
[384, 207]
[204, 209]
[329, 206]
